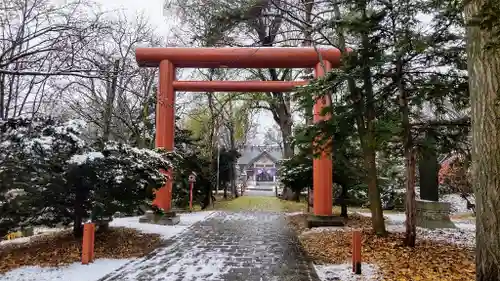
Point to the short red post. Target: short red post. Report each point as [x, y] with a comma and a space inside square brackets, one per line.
[191, 180]
[356, 251]
[88, 243]
[191, 196]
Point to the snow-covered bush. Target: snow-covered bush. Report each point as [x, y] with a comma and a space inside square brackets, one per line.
[49, 174]
[296, 173]
[191, 159]
[119, 178]
[33, 159]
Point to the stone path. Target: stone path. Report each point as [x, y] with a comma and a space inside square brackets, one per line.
[250, 246]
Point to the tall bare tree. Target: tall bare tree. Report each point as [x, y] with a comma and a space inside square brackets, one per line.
[39, 40]
[260, 23]
[119, 102]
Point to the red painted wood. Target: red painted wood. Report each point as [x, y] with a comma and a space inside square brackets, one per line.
[258, 57]
[322, 166]
[237, 86]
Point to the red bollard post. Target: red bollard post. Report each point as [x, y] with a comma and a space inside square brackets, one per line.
[88, 243]
[356, 251]
[191, 196]
[191, 180]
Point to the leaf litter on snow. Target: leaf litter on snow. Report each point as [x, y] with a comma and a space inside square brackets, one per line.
[440, 254]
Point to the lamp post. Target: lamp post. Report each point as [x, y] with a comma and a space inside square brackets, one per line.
[243, 181]
[191, 180]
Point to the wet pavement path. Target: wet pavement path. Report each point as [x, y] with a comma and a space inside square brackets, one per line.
[251, 246]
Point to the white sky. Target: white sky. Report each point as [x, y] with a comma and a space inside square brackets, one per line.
[153, 9]
[157, 17]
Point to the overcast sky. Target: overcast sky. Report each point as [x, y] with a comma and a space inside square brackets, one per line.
[154, 10]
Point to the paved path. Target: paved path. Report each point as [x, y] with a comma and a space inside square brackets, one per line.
[250, 246]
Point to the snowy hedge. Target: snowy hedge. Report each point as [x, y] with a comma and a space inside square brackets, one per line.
[49, 174]
[297, 173]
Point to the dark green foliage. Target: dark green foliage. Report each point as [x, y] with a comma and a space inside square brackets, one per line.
[33, 163]
[191, 161]
[227, 160]
[50, 175]
[296, 172]
[118, 179]
[393, 58]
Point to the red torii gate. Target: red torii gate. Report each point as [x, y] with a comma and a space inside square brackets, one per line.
[168, 59]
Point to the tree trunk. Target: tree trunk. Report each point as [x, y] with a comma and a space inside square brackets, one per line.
[2, 96]
[367, 135]
[365, 126]
[286, 133]
[110, 100]
[80, 196]
[484, 85]
[410, 157]
[343, 199]
[232, 143]
[213, 143]
[410, 210]
[378, 223]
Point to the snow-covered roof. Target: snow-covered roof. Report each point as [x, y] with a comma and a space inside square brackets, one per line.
[250, 154]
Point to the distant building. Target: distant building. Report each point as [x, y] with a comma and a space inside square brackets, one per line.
[260, 163]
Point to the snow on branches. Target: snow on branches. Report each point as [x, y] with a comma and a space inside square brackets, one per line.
[49, 174]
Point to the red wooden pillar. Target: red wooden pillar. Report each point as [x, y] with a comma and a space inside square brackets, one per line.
[88, 243]
[322, 166]
[165, 126]
[356, 251]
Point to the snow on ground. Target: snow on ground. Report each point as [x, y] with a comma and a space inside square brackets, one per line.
[464, 234]
[247, 217]
[458, 204]
[323, 229]
[294, 214]
[166, 231]
[343, 272]
[101, 267]
[196, 264]
[72, 272]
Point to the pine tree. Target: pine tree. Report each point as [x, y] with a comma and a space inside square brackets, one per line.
[395, 68]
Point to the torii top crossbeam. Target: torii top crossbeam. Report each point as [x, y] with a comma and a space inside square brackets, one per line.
[262, 57]
[168, 60]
